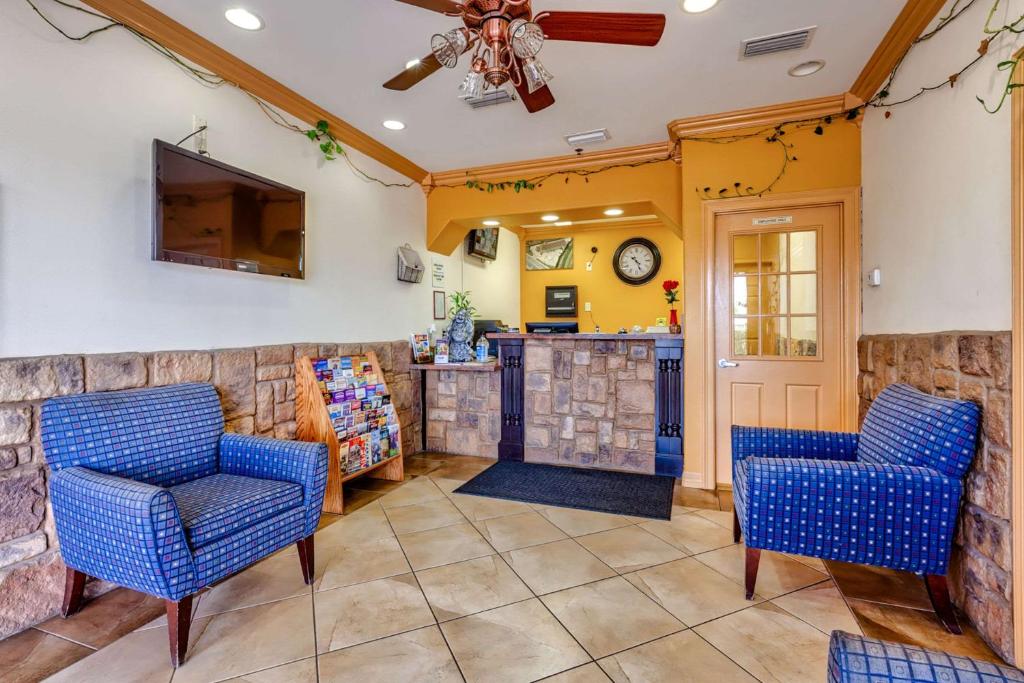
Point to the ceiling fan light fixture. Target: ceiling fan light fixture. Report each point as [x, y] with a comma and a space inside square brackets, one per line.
[448, 46]
[526, 38]
[472, 86]
[243, 18]
[535, 74]
[807, 68]
[697, 6]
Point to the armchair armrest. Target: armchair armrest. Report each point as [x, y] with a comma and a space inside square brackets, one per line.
[894, 516]
[297, 462]
[123, 531]
[792, 443]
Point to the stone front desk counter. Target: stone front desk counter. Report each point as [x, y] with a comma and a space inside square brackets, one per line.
[608, 401]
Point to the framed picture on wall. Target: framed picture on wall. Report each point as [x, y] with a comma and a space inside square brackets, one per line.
[440, 305]
[549, 254]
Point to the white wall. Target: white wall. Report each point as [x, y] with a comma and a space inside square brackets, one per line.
[76, 127]
[936, 179]
[493, 285]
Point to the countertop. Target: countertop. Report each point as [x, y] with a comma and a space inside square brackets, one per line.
[591, 336]
[473, 366]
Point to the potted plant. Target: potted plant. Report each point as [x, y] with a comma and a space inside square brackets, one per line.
[460, 332]
[671, 288]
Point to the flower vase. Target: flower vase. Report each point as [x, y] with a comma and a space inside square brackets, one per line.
[673, 321]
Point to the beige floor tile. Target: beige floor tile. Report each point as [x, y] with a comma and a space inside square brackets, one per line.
[302, 671]
[692, 592]
[276, 578]
[32, 655]
[461, 471]
[588, 673]
[556, 566]
[518, 531]
[357, 614]
[677, 511]
[360, 562]
[880, 584]
[771, 644]
[609, 616]
[678, 658]
[420, 655]
[812, 562]
[776, 575]
[579, 522]
[457, 590]
[252, 639]
[366, 524]
[722, 518]
[821, 606]
[106, 618]
[161, 622]
[446, 545]
[512, 644]
[412, 492]
[447, 486]
[478, 508]
[691, 533]
[433, 515]
[629, 548]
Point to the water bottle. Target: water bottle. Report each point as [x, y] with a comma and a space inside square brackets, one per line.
[482, 349]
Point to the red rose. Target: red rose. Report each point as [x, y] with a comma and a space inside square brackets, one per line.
[669, 285]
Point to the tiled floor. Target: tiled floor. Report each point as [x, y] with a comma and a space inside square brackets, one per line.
[417, 583]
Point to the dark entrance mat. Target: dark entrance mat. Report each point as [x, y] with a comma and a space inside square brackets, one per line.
[622, 493]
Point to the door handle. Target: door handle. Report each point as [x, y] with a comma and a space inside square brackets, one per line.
[723, 363]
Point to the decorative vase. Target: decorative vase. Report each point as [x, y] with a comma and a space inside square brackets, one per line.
[459, 335]
[673, 321]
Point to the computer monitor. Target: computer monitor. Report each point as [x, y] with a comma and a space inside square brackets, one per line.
[553, 328]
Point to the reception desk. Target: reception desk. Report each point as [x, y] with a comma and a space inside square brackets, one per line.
[610, 401]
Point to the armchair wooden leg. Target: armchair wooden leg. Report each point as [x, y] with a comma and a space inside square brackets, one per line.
[753, 559]
[735, 526]
[179, 619]
[938, 591]
[74, 588]
[305, 547]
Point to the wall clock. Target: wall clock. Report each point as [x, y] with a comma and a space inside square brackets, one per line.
[637, 261]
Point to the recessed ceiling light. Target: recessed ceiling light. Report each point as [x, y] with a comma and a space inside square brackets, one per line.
[807, 68]
[614, 212]
[563, 224]
[549, 218]
[492, 223]
[697, 6]
[243, 18]
[394, 125]
[411, 63]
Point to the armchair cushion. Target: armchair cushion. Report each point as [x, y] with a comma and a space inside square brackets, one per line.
[856, 659]
[123, 531]
[222, 504]
[792, 443]
[889, 515]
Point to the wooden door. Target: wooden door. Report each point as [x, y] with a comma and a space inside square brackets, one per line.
[778, 332]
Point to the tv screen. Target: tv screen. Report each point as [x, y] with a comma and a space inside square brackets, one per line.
[213, 215]
[483, 243]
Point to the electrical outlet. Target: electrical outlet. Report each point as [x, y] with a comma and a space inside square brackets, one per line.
[199, 139]
[586, 307]
[590, 266]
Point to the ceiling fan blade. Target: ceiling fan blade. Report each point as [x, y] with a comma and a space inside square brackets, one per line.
[442, 6]
[619, 28]
[414, 74]
[534, 102]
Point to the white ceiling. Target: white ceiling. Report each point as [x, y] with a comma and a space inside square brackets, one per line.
[339, 52]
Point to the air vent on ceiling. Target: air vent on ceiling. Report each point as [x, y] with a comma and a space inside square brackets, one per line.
[778, 42]
[490, 98]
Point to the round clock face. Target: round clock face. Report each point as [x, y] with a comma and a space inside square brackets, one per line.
[637, 261]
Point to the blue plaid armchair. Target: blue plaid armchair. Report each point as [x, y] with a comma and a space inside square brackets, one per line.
[149, 492]
[888, 496]
[856, 659]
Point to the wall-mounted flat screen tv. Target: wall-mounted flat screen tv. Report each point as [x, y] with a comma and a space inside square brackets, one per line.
[483, 243]
[210, 214]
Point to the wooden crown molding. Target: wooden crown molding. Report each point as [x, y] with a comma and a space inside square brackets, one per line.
[769, 115]
[193, 47]
[569, 162]
[910, 23]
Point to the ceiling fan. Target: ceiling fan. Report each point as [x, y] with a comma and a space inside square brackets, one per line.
[505, 37]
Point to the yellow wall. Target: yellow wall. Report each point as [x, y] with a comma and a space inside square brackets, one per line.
[614, 303]
[824, 161]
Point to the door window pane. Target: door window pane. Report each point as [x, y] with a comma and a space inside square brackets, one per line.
[774, 336]
[745, 341]
[745, 296]
[773, 252]
[744, 254]
[804, 297]
[804, 336]
[774, 297]
[803, 251]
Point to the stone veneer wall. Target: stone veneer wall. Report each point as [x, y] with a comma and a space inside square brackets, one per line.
[464, 412]
[974, 367]
[590, 403]
[257, 389]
